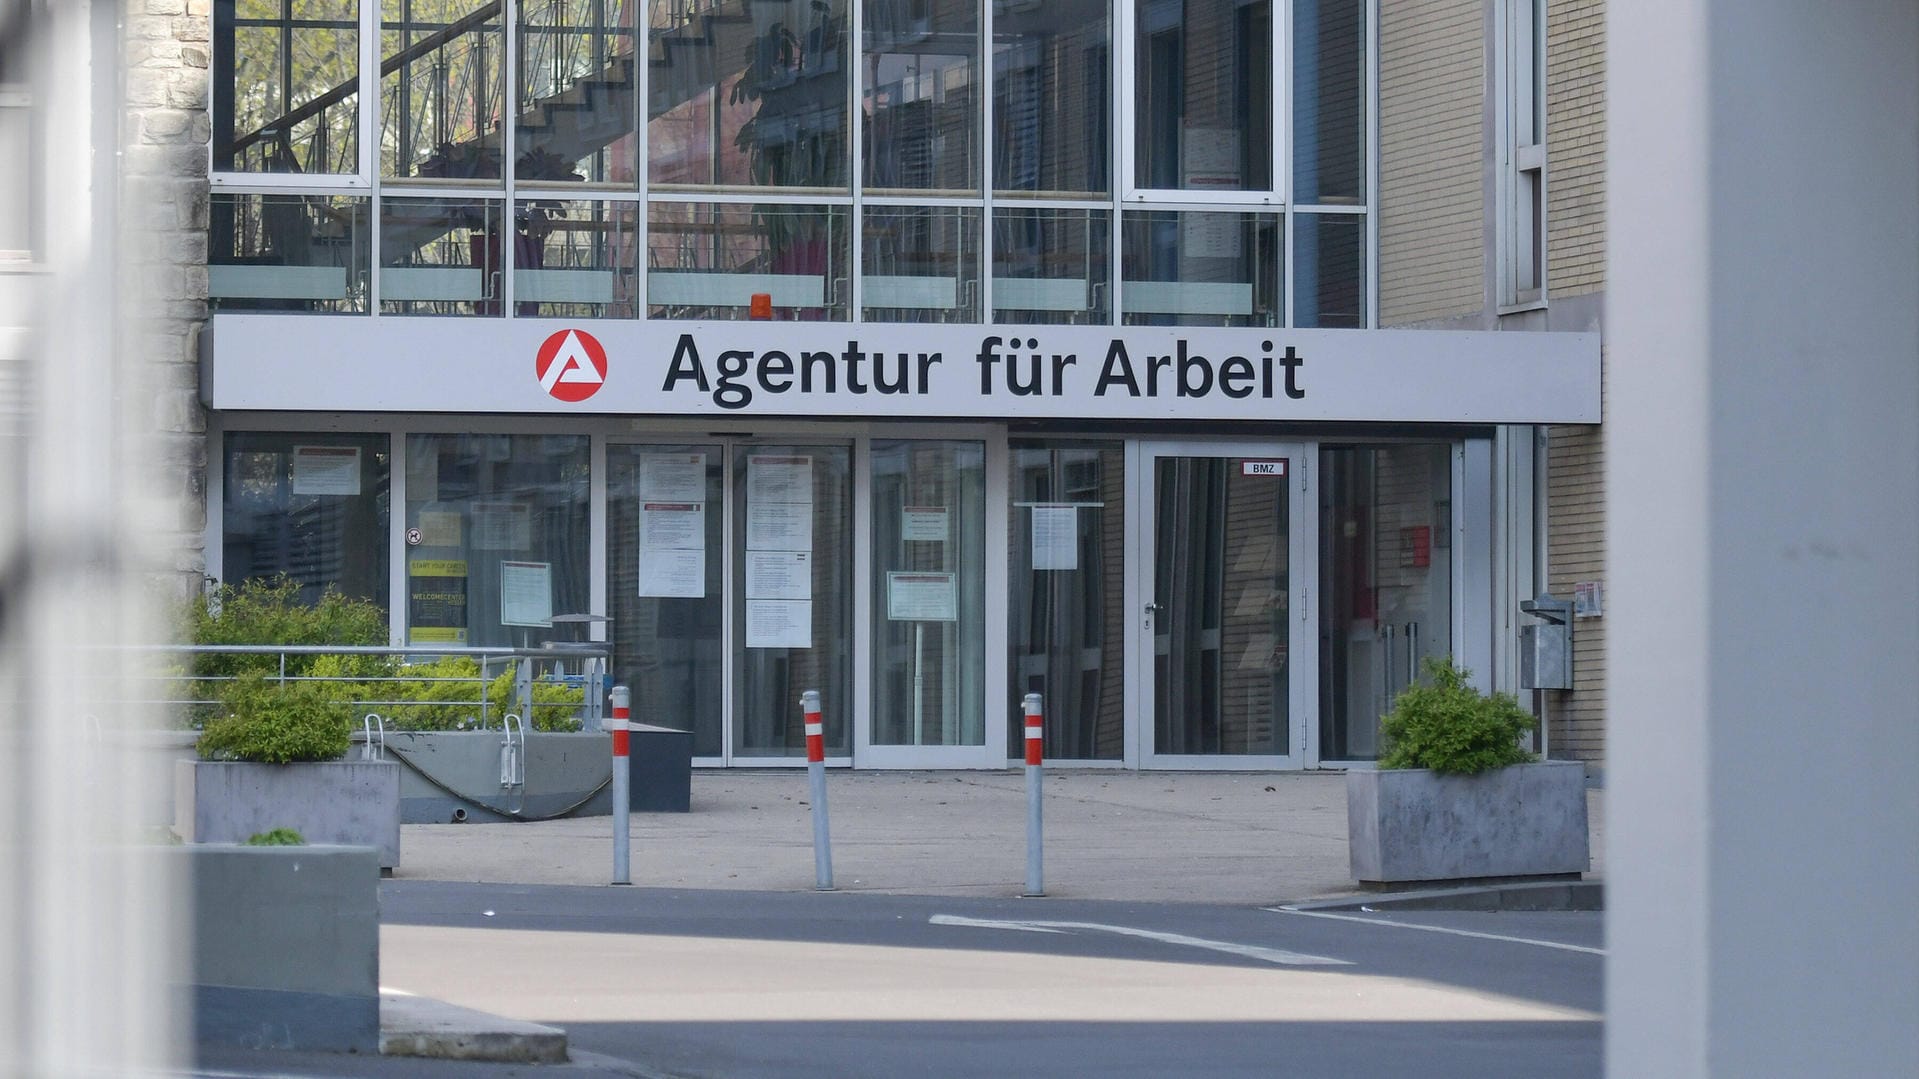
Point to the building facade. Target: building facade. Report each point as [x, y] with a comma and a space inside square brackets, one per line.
[1201, 365]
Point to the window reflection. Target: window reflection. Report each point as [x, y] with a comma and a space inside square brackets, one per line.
[1203, 71]
[1201, 269]
[443, 91]
[921, 264]
[708, 260]
[286, 86]
[921, 76]
[1051, 266]
[748, 93]
[1052, 97]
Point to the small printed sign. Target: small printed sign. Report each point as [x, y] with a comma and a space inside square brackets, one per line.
[1263, 468]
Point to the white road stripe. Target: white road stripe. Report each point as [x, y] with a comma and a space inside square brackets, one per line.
[1250, 951]
[1437, 929]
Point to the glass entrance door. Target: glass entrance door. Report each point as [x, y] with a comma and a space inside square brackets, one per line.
[1224, 564]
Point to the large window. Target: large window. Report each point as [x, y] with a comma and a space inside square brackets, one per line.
[309, 507]
[1089, 162]
[496, 537]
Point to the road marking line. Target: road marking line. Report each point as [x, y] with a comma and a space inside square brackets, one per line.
[1251, 951]
[1437, 929]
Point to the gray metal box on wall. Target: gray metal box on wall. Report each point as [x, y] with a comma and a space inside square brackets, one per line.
[1546, 646]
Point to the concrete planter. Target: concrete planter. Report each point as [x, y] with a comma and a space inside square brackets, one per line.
[1416, 825]
[286, 946]
[355, 803]
[457, 775]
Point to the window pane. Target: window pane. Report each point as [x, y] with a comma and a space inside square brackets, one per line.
[921, 264]
[1204, 71]
[443, 106]
[793, 508]
[1329, 101]
[921, 65]
[929, 584]
[748, 93]
[1329, 270]
[1052, 266]
[1066, 631]
[312, 507]
[1200, 269]
[1052, 97]
[1385, 583]
[664, 584]
[707, 261]
[286, 86]
[492, 509]
[579, 96]
[288, 253]
[440, 256]
[575, 259]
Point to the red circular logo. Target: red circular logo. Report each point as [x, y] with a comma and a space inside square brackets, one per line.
[571, 365]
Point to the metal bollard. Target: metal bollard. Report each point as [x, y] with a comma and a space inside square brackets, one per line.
[816, 777]
[622, 780]
[1035, 777]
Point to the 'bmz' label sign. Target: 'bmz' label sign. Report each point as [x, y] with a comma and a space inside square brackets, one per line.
[1263, 468]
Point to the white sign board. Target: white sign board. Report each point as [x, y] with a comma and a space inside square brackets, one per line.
[922, 597]
[321, 363]
[526, 593]
[326, 470]
[502, 526]
[1263, 468]
[673, 477]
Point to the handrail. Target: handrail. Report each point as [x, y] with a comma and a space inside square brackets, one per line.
[352, 86]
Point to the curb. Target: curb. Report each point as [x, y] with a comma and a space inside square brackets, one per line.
[413, 1026]
[1573, 895]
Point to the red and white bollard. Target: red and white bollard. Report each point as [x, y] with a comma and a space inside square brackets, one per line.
[1035, 777]
[816, 777]
[621, 730]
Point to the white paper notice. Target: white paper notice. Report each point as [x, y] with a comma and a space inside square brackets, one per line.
[679, 526]
[779, 479]
[779, 623]
[924, 524]
[922, 597]
[673, 549]
[1055, 537]
[779, 526]
[440, 528]
[673, 477]
[502, 526]
[526, 593]
[326, 470]
[779, 575]
[671, 574]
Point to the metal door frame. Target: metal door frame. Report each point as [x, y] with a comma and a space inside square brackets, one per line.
[1302, 569]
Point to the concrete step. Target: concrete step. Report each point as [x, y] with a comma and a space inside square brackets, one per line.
[413, 1026]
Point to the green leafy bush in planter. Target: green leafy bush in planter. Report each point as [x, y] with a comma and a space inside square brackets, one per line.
[271, 612]
[279, 837]
[271, 723]
[1444, 724]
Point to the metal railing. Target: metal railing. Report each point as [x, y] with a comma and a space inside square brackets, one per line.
[184, 682]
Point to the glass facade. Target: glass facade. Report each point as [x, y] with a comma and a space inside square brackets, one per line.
[497, 537]
[309, 507]
[857, 160]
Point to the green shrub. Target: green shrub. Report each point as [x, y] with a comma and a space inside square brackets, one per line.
[270, 723]
[272, 612]
[279, 837]
[1444, 724]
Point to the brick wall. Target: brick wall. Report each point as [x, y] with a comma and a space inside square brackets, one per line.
[1575, 146]
[163, 207]
[1432, 96]
[1575, 266]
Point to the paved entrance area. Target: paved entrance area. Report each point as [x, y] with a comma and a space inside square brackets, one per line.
[1208, 837]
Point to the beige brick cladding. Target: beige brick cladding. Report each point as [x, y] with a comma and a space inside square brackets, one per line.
[1432, 98]
[163, 208]
[1575, 146]
[1576, 266]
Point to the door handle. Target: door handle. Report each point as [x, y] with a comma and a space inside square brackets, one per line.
[1155, 608]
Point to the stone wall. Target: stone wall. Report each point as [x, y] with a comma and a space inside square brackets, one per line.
[164, 133]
